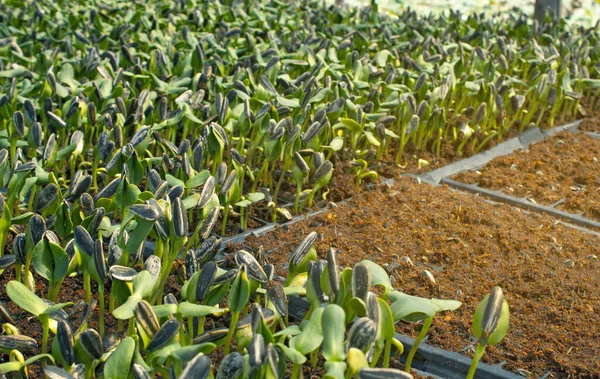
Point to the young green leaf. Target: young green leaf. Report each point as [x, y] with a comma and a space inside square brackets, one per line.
[142, 288]
[292, 354]
[333, 333]
[239, 294]
[198, 310]
[24, 298]
[118, 363]
[312, 334]
[50, 260]
[412, 308]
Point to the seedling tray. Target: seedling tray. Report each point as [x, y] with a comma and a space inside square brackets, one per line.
[444, 175]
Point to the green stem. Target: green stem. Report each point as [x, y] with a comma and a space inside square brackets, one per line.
[45, 327]
[32, 198]
[274, 213]
[184, 340]
[413, 350]
[89, 370]
[101, 314]
[158, 248]
[403, 140]
[190, 322]
[479, 350]
[111, 301]
[52, 293]
[242, 177]
[225, 217]
[13, 148]
[297, 371]
[387, 353]
[72, 163]
[314, 356]
[280, 182]
[438, 143]
[311, 196]
[131, 327]
[297, 201]
[484, 142]
[200, 325]
[87, 286]
[242, 218]
[376, 355]
[461, 146]
[27, 272]
[234, 319]
[18, 271]
[258, 176]
[178, 365]
[166, 268]
[95, 174]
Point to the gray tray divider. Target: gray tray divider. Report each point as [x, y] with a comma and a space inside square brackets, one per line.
[566, 127]
[523, 203]
[593, 135]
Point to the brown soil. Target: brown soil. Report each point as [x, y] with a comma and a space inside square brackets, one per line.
[591, 123]
[548, 271]
[562, 169]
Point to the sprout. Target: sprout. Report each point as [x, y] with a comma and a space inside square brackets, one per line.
[480, 114]
[362, 334]
[490, 324]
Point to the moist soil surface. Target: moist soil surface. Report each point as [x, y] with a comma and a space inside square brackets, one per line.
[591, 123]
[563, 170]
[549, 272]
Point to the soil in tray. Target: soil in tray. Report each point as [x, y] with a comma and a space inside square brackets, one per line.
[548, 272]
[591, 123]
[562, 170]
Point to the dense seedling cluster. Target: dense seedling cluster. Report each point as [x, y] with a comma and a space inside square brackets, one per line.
[172, 121]
[347, 326]
[264, 95]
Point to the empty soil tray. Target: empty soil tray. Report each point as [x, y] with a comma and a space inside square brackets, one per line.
[563, 170]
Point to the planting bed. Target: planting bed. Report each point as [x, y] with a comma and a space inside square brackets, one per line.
[562, 171]
[548, 271]
[140, 140]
